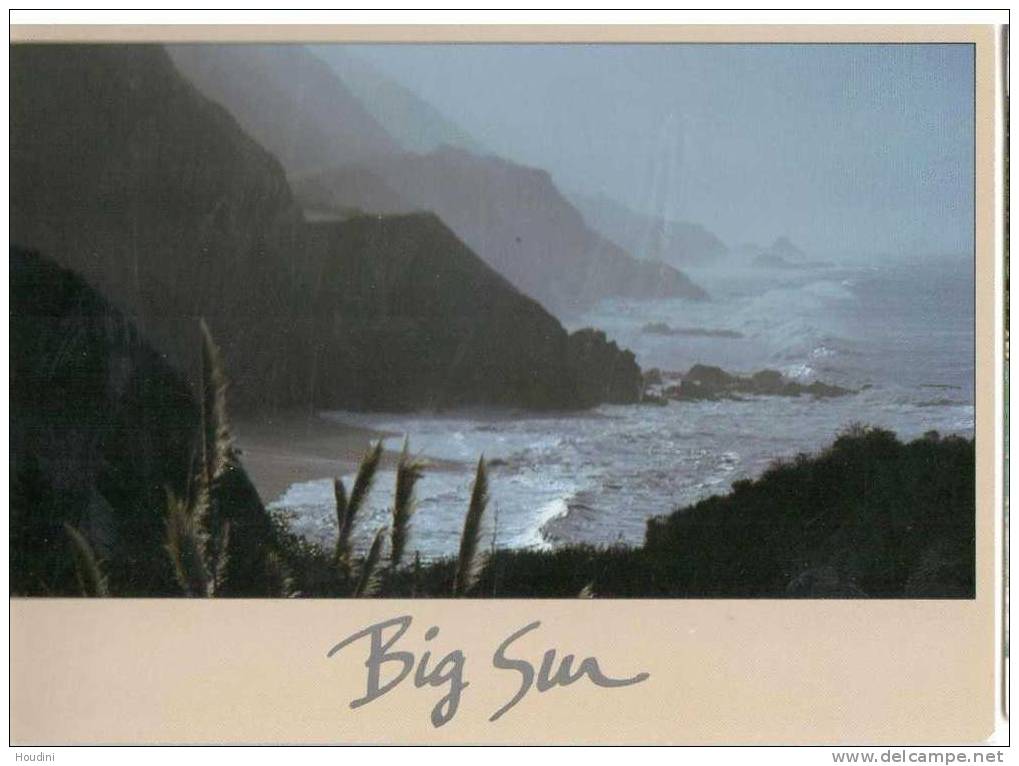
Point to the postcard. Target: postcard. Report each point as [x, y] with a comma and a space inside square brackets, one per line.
[609, 385]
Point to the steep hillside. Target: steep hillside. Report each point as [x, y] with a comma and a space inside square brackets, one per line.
[308, 115]
[101, 428]
[124, 173]
[514, 218]
[360, 191]
[409, 317]
[415, 123]
[679, 243]
[289, 101]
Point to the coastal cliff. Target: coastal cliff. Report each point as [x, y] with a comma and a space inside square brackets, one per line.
[512, 216]
[124, 173]
[334, 129]
[409, 317]
[101, 430]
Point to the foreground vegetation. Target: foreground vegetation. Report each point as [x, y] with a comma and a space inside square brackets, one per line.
[202, 521]
[125, 483]
[868, 517]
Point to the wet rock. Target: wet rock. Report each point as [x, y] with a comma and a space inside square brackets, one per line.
[706, 382]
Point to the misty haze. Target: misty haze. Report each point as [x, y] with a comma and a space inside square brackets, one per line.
[492, 320]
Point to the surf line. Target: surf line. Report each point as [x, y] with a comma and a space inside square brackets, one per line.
[449, 671]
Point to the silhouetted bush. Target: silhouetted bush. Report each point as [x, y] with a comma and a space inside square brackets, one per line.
[867, 517]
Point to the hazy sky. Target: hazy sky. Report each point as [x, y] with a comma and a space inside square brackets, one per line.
[841, 147]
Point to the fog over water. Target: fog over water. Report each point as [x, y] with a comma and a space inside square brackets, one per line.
[861, 155]
[631, 280]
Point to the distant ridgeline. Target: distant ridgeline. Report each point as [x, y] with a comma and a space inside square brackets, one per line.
[151, 208]
[679, 243]
[513, 217]
[125, 173]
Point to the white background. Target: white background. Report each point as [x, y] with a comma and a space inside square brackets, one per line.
[716, 755]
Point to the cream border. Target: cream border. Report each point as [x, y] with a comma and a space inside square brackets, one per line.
[727, 672]
[492, 33]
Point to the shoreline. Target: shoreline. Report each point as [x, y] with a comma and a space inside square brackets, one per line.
[280, 450]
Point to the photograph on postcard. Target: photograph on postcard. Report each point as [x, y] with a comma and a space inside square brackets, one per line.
[435, 320]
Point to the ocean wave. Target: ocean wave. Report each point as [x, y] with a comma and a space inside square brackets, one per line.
[799, 372]
[596, 476]
[539, 536]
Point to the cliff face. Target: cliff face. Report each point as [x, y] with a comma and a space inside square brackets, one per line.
[291, 102]
[513, 217]
[305, 112]
[417, 125]
[101, 428]
[124, 173]
[605, 372]
[409, 317]
[679, 243]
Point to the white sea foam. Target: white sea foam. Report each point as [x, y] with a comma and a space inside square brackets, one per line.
[893, 335]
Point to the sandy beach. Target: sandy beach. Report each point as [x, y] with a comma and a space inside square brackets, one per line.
[280, 450]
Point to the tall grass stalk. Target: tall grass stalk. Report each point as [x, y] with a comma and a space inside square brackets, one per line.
[347, 514]
[217, 441]
[90, 575]
[340, 495]
[368, 583]
[408, 472]
[186, 542]
[197, 540]
[470, 562]
[281, 583]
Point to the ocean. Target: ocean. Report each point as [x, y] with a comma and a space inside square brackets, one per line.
[901, 335]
